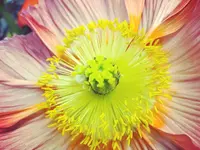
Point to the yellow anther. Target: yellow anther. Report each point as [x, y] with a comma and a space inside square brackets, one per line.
[60, 48]
[109, 58]
[92, 26]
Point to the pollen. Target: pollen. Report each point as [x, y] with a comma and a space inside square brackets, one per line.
[106, 84]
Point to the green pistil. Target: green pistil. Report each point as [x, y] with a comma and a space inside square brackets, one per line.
[100, 74]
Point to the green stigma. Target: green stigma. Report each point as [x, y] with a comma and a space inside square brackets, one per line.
[100, 74]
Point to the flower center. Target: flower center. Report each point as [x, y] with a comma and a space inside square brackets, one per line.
[101, 74]
[106, 84]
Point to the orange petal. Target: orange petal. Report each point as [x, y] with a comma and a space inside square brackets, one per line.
[7, 119]
[26, 4]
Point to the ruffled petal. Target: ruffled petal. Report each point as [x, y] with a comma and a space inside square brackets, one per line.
[165, 141]
[163, 17]
[158, 140]
[183, 47]
[22, 61]
[12, 117]
[135, 9]
[32, 133]
[50, 19]
[19, 97]
[22, 120]
[22, 58]
[181, 114]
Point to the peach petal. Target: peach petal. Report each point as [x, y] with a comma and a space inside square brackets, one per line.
[50, 19]
[8, 119]
[175, 21]
[163, 17]
[159, 140]
[32, 133]
[183, 110]
[22, 61]
[23, 58]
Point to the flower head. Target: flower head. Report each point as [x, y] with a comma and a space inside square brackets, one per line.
[100, 75]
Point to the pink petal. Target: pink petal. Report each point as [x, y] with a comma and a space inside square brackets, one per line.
[181, 114]
[175, 22]
[158, 140]
[22, 58]
[184, 47]
[19, 97]
[51, 18]
[163, 17]
[22, 61]
[167, 141]
[32, 133]
[182, 118]
[16, 82]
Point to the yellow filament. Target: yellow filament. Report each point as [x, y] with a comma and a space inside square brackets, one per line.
[75, 109]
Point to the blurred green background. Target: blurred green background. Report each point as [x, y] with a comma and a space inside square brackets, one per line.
[8, 18]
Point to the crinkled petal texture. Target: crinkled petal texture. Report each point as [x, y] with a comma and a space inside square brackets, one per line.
[159, 140]
[182, 114]
[23, 59]
[50, 19]
[163, 17]
[22, 125]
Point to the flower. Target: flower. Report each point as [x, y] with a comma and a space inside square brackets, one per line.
[118, 74]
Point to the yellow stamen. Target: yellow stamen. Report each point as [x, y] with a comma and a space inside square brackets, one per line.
[125, 71]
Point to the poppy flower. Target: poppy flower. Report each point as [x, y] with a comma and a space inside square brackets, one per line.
[96, 74]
